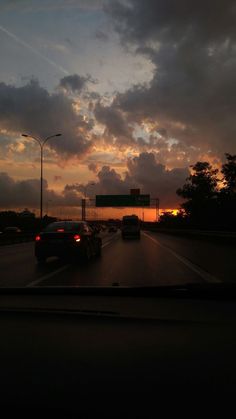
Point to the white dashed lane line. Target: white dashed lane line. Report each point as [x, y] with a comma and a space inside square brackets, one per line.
[58, 271]
[43, 278]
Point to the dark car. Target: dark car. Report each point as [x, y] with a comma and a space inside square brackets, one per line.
[112, 229]
[95, 228]
[11, 230]
[130, 227]
[73, 239]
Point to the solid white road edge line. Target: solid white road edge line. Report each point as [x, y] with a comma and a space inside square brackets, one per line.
[203, 274]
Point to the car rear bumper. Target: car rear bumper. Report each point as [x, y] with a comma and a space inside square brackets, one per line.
[47, 250]
[128, 234]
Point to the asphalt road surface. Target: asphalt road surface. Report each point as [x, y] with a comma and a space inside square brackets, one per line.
[155, 259]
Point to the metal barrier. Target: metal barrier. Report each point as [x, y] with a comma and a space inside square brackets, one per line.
[226, 237]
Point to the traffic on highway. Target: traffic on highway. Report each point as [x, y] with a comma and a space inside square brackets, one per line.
[66, 253]
[117, 207]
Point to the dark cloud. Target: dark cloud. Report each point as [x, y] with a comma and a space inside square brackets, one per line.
[71, 198]
[143, 172]
[192, 95]
[79, 189]
[22, 193]
[118, 131]
[152, 177]
[110, 182]
[75, 83]
[26, 193]
[141, 22]
[102, 36]
[33, 110]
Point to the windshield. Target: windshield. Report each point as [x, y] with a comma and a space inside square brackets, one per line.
[117, 143]
[63, 227]
[130, 221]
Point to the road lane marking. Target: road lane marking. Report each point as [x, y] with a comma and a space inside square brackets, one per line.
[109, 242]
[62, 269]
[42, 278]
[114, 238]
[201, 272]
[106, 244]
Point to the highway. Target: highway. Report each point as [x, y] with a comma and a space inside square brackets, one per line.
[156, 259]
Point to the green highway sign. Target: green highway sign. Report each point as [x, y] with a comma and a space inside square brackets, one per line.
[122, 200]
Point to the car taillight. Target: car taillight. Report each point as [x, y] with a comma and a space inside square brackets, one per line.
[60, 230]
[77, 237]
[37, 238]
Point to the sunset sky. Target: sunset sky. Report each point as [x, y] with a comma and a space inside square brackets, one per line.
[139, 90]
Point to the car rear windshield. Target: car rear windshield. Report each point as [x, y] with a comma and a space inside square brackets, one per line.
[67, 227]
[131, 221]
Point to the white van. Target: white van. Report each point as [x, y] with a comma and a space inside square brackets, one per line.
[130, 226]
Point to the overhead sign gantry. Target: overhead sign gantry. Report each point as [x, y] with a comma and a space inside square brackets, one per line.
[132, 200]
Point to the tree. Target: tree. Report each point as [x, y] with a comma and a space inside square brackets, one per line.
[227, 196]
[169, 219]
[200, 192]
[229, 172]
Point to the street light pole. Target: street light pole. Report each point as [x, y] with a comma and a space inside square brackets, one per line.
[41, 182]
[41, 144]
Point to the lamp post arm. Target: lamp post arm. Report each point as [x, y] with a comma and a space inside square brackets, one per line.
[50, 136]
[34, 138]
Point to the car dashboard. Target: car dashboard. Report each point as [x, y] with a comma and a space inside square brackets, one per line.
[112, 353]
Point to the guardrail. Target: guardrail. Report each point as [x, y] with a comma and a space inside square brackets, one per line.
[226, 237]
[22, 237]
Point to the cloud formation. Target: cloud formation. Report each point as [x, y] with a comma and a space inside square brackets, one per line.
[21, 193]
[143, 172]
[75, 83]
[152, 177]
[31, 109]
[192, 95]
[26, 193]
[117, 130]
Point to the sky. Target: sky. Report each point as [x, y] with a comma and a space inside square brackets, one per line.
[139, 90]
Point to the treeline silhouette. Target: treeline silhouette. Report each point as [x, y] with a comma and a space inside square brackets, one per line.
[25, 223]
[209, 202]
[209, 198]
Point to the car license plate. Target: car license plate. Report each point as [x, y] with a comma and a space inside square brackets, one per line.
[55, 241]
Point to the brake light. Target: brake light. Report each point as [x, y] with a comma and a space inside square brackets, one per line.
[77, 237]
[37, 238]
[60, 230]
